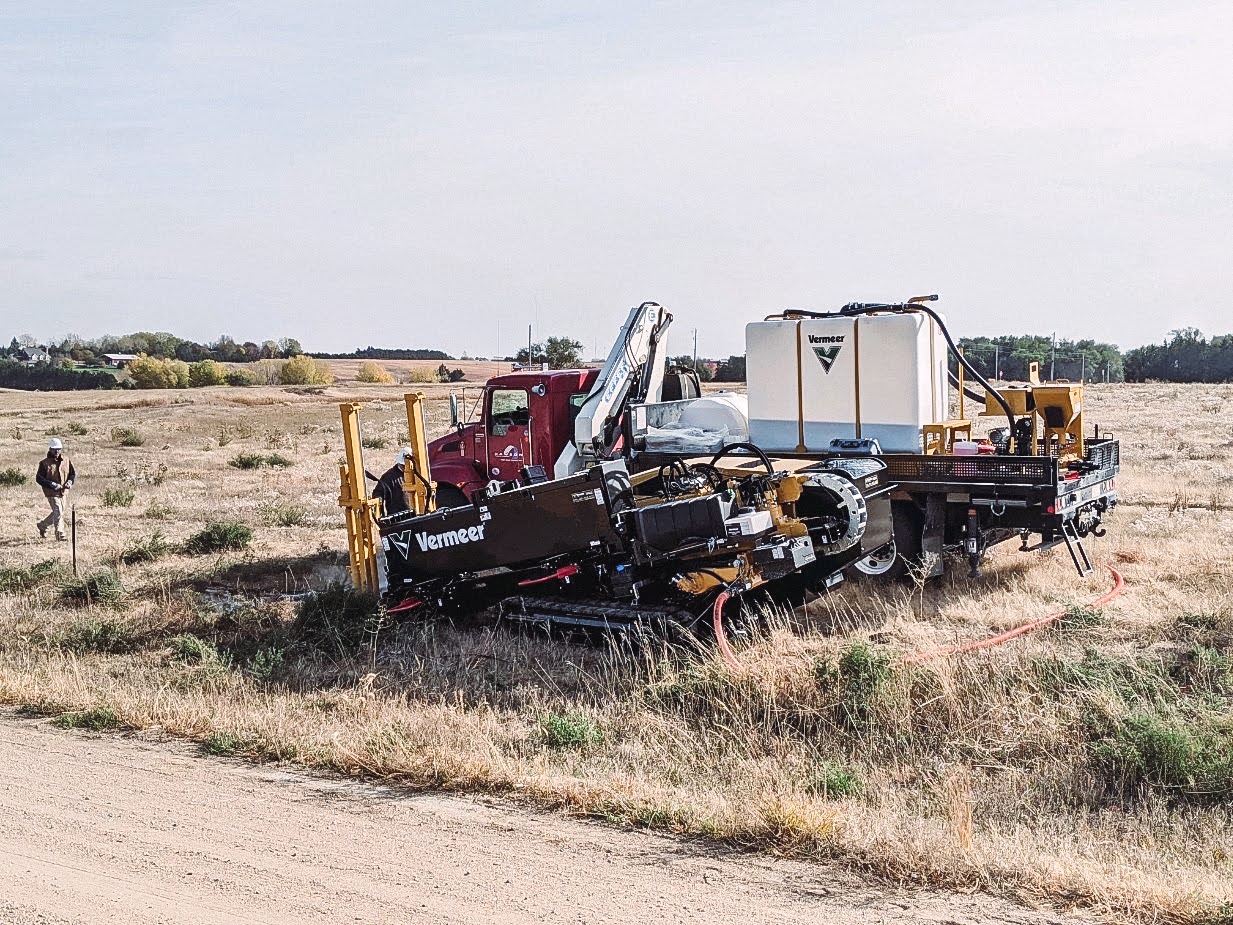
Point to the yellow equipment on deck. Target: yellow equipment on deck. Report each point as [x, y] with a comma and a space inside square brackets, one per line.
[362, 511]
[1055, 410]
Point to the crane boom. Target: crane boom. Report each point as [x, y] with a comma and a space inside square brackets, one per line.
[633, 373]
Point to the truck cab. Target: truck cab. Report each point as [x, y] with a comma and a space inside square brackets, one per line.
[525, 419]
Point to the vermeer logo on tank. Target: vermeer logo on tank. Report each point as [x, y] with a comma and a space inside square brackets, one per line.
[826, 349]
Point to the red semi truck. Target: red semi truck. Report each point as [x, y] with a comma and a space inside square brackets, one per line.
[525, 419]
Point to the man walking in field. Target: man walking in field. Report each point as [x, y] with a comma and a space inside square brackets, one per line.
[55, 476]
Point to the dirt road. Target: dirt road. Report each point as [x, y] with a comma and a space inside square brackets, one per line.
[124, 830]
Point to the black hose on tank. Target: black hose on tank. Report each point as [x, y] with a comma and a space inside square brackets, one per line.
[954, 380]
[904, 308]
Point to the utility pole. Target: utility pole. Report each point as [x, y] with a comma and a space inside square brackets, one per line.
[997, 369]
[695, 351]
[1082, 366]
[1053, 360]
[530, 356]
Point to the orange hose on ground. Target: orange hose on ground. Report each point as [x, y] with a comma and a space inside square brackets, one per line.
[1119, 585]
[721, 639]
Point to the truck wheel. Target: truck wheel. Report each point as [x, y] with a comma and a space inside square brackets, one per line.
[896, 560]
[449, 496]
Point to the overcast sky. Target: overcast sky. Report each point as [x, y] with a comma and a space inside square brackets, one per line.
[421, 174]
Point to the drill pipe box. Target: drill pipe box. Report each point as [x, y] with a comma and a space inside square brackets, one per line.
[565, 517]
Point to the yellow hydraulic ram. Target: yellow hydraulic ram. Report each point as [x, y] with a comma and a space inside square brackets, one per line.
[360, 510]
[417, 481]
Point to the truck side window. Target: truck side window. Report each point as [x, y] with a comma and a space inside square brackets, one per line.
[509, 407]
[575, 405]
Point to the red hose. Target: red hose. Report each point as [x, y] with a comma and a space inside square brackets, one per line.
[1119, 585]
[717, 621]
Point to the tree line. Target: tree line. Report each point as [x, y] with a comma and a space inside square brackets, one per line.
[1187, 356]
[161, 346]
[1009, 358]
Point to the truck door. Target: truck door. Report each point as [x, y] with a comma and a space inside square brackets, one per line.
[508, 433]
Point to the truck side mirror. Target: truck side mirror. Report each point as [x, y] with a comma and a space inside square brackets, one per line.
[454, 410]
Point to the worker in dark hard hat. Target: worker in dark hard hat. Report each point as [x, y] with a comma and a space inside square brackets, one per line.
[55, 476]
[389, 487]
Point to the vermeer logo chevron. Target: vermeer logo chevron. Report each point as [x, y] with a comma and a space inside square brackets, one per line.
[826, 349]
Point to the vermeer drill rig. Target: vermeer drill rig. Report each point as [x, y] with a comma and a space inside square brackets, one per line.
[583, 497]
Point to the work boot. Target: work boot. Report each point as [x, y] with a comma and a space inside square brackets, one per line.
[42, 531]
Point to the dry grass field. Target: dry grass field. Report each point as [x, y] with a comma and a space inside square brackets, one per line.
[1087, 766]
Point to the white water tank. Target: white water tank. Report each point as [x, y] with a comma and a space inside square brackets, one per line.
[726, 411]
[812, 380]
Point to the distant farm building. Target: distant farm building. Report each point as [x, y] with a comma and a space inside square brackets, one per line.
[118, 360]
[33, 355]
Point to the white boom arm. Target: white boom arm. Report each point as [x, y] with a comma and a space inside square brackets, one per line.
[633, 373]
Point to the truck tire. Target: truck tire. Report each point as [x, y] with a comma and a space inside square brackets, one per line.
[450, 496]
[898, 561]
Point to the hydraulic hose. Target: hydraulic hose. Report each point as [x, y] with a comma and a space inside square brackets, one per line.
[1119, 585]
[753, 448]
[721, 638]
[903, 308]
[975, 396]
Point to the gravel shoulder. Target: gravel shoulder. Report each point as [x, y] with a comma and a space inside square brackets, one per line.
[134, 830]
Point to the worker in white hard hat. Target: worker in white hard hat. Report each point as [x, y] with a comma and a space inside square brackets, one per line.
[390, 486]
[55, 476]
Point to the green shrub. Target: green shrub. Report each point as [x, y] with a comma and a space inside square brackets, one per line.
[101, 587]
[126, 436]
[157, 510]
[1187, 757]
[833, 780]
[192, 650]
[1205, 668]
[121, 496]
[266, 664]
[287, 514]
[77, 429]
[1078, 617]
[570, 730]
[219, 536]
[145, 549]
[338, 619]
[239, 378]
[11, 478]
[13, 580]
[861, 676]
[375, 442]
[96, 719]
[106, 635]
[256, 461]
[223, 743]
[246, 461]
